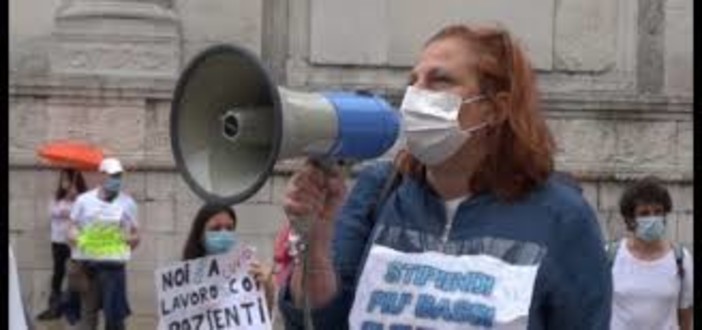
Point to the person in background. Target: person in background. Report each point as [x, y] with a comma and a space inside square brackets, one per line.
[282, 254]
[652, 277]
[475, 183]
[102, 284]
[71, 183]
[214, 232]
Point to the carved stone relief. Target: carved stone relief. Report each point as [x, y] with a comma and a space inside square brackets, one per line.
[116, 38]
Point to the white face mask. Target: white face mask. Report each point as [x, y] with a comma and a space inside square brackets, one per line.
[430, 123]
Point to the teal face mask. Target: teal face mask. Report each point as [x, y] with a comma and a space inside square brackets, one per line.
[219, 241]
[650, 228]
[112, 185]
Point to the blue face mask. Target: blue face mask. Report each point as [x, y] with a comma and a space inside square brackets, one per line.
[651, 228]
[112, 185]
[219, 241]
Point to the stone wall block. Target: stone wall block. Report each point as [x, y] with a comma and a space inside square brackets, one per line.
[159, 216]
[29, 56]
[185, 215]
[155, 250]
[141, 291]
[29, 123]
[332, 42]
[42, 288]
[672, 230]
[609, 195]
[183, 191]
[264, 195]
[131, 39]
[678, 47]
[259, 218]
[32, 249]
[142, 322]
[646, 145]
[38, 285]
[532, 23]
[208, 22]
[615, 227]
[157, 144]
[23, 184]
[69, 122]
[26, 281]
[684, 146]
[135, 185]
[42, 220]
[119, 128]
[585, 35]
[116, 58]
[145, 256]
[23, 247]
[29, 36]
[681, 196]
[685, 228]
[585, 143]
[47, 181]
[161, 185]
[23, 214]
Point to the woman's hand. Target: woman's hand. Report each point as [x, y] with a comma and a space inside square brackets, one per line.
[315, 195]
[72, 233]
[263, 276]
[312, 192]
[133, 238]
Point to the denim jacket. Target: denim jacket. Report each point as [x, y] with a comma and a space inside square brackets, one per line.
[552, 226]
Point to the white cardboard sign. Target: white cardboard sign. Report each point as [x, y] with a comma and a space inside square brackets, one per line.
[431, 290]
[211, 293]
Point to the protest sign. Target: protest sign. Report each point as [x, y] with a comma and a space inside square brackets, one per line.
[431, 290]
[16, 314]
[211, 293]
[101, 235]
[104, 241]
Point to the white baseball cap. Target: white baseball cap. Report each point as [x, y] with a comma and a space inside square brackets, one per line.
[111, 166]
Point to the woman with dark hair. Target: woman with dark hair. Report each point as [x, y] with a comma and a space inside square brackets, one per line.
[214, 232]
[71, 184]
[652, 277]
[468, 227]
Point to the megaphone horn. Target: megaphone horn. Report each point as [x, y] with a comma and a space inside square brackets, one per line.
[230, 124]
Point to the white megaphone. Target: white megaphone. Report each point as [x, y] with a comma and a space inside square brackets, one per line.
[230, 123]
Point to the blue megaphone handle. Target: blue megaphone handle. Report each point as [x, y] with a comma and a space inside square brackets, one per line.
[368, 125]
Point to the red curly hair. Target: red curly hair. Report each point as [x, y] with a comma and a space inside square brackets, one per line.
[521, 147]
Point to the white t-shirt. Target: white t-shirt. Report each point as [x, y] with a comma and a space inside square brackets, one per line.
[59, 221]
[89, 207]
[647, 293]
[451, 207]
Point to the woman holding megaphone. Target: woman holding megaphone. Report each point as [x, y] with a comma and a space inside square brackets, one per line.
[468, 227]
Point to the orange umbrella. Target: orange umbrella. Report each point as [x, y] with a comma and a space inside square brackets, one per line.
[72, 154]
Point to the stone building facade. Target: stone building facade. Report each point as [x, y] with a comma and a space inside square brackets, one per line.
[616, 78]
